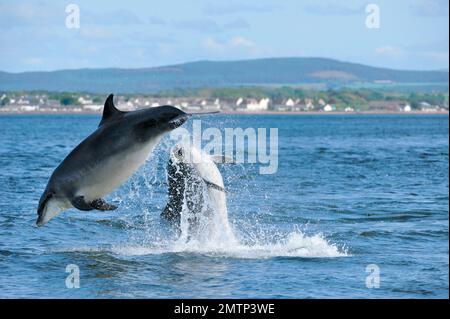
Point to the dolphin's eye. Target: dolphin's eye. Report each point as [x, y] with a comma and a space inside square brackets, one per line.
[180, 152]
[49, 195]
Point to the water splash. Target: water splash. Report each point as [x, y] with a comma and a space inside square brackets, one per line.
[243, 237]
[296, 244]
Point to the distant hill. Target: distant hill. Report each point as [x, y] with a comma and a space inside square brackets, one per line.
[273, 71]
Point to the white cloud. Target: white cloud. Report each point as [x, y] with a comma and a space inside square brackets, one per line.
[233, 8]
[348, 7]
[232, 43]
[390, 51]
[210, 26]
[200, 25]
[212, 44]
[22, 14]
[96, 32]
[430, 7]
[240, 42]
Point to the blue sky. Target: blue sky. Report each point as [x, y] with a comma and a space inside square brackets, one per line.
[413, 34]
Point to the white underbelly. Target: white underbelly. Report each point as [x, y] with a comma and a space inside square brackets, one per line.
[115, 171]
[218, 201]
[219, 227]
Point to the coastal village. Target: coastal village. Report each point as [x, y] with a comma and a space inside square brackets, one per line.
[86, 103]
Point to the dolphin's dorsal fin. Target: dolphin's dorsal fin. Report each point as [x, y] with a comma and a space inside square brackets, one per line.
[109, 110]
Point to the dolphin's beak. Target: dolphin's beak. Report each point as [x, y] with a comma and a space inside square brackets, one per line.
[178, 121]
[48, 209]
[203, 113]
[40, 221]
[42, 218]
[181, 119]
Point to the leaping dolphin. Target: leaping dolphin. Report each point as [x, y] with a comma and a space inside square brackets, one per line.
[107, 158]
[195, 184]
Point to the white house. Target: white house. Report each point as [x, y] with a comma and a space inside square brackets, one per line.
[129, 106]
[262, 105]
[252, 105]
[212, 107]
[407, 108]
[93, 107]
[84, 101]
[23, 101]
[29, 108]
[328, 108]
[193, 108]
[349, 109]
[239, 101]
[290, 102]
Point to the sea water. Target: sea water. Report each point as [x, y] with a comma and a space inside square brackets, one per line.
[352, 194]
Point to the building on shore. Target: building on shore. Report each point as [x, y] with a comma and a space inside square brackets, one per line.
[328, 108]
[93, 107]
[255, 105]
[84, 101]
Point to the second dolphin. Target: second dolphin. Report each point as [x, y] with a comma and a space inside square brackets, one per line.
[196, 189]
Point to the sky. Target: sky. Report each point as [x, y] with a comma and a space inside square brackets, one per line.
[412, 34]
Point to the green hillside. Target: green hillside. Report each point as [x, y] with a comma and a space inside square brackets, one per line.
[274, 71]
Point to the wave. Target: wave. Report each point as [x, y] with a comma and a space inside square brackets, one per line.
[296, 244]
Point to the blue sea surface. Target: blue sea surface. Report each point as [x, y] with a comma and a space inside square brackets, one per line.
[353, 194]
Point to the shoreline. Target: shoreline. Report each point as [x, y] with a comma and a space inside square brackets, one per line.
[244, 113]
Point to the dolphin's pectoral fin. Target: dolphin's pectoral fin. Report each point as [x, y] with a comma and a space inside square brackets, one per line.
[79, 203]
[214, 186]
[100, 204]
